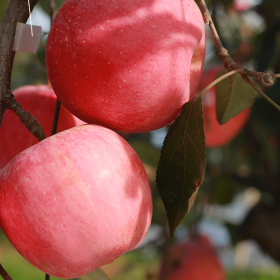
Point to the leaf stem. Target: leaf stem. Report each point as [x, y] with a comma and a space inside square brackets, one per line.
[231, 73]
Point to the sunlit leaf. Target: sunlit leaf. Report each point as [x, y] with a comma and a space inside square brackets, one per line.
[233, 95]
[182, 163]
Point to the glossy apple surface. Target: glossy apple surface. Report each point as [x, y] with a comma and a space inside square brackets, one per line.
[75, 201]
[40, 102]
[217, 135]
[127, 65]
[194, 260]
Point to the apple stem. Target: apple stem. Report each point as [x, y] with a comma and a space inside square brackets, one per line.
[17, 11]
[4, 273]
[52, 6]
[56, 116]
[229, 64]
[47, 277]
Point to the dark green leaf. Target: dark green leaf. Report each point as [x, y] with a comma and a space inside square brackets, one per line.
[97, 274]
[182, 163]
[233, 95]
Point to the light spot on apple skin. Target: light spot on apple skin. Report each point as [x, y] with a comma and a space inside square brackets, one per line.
[104, 173]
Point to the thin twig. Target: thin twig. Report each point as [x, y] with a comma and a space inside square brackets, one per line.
[261, 93]
[223, 54]
[17, 11]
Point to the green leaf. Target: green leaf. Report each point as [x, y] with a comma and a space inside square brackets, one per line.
[97, 274]
[182, 163]
[233, 95]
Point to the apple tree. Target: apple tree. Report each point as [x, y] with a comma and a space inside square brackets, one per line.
[79, 199]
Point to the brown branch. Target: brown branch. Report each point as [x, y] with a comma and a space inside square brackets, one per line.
[4, 273]
[29, 121]
[17, 11]
[229, 64]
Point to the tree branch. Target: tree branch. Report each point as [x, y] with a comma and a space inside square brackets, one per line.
[229, 64]
[4, 273]
[17, 11]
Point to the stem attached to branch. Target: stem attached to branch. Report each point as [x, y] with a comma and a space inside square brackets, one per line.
[17, 11]
[261, 93]
[229, 64]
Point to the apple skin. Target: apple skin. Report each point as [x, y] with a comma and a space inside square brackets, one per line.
[75, 201]
[217, 135]
[127, 65]
[39, 101]
[243, 5]
[195, 259]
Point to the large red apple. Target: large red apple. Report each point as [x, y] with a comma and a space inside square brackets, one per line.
[217, 135]
[75, 201]
[127, 65]
[39, 101]
[194, 260]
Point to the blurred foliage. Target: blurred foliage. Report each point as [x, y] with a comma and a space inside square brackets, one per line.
[253, 275]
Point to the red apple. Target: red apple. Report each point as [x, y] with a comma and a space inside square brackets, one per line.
[39, 101]
[194, 260]
[127, 65]
[75, 201]
[217, 135]
[243, 5]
